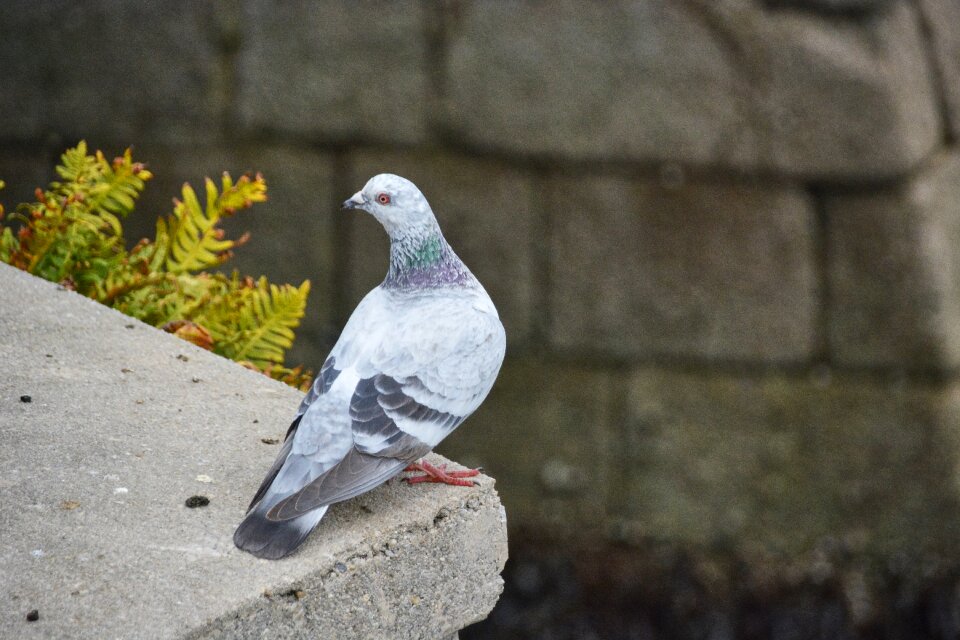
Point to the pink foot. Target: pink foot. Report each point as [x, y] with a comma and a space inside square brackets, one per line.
[433, 473]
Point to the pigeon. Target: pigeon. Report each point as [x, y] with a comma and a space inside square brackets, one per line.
[417, 356]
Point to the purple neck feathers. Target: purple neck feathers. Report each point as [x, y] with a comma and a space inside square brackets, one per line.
[425, 263]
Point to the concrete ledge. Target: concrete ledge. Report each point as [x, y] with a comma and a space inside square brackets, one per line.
[124, 424]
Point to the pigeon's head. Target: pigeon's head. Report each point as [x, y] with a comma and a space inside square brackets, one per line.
[395, 202]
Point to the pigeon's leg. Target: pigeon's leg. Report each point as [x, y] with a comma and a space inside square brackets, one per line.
[432, 473]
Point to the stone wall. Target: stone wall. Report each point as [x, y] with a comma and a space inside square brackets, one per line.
[724, 236]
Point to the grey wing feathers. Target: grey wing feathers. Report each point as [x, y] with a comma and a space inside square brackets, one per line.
[277, 464]
[381, 450]
[324, 380]
[393, 398]
[355, 474]
[328, 373]
[377, 404]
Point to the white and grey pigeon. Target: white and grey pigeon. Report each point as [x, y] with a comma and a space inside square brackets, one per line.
[418, 355]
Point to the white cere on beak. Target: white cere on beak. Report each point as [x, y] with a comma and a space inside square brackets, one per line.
[356, 198]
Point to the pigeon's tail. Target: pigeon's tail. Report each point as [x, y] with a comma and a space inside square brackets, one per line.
[272, 539]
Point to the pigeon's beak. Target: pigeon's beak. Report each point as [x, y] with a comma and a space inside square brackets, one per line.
[355, 201]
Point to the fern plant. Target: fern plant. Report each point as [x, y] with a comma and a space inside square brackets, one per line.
[73, 234]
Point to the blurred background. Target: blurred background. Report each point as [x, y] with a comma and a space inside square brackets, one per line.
[723, 235]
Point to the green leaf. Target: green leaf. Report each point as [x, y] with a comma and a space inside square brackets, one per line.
[7, 244]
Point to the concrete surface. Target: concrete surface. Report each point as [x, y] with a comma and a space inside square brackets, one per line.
[124, 424]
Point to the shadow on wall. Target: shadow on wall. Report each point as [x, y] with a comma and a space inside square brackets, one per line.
[722, 236]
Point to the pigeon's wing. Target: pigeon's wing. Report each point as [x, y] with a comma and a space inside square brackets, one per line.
[355, 474]
[381, 448]
[322, 383]
[410, 393]
[389, 422]
[277, 464]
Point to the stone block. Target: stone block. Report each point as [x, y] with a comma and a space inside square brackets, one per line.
[706, 271]
[121, 71]
[593, 81]
[126, 423]
[704, 83]
[894, 272]
[853, 8]
[23, 170]
[548, 432]
[341, 71]
[292, 234]
[941, 18]
[777, 464]
[487, 213]
[24, 31]
[837, 99]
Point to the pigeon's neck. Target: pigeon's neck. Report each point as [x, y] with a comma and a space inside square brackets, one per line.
[424, 260]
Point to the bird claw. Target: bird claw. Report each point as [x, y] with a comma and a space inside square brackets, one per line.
[439, 474]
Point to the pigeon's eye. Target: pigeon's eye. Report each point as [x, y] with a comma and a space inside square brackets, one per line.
[383, 198]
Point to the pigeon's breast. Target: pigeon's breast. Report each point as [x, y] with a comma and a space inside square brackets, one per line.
[450, 340]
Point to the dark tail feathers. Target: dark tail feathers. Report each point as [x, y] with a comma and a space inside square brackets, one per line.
[273, 539]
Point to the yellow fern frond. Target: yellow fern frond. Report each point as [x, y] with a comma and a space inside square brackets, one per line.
[262, 318]
[102, 186]
[241, 195]
[191, 237]
[72, 233]
[194, 238]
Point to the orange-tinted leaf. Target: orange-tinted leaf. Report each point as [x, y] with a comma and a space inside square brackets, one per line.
[191, 332]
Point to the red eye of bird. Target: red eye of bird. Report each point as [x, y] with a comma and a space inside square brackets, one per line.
[383, 198]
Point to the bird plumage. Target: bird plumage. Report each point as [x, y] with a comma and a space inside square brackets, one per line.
[417, 356]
